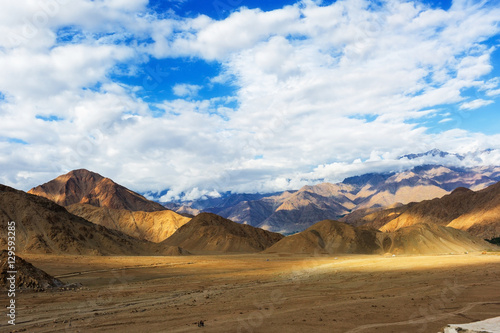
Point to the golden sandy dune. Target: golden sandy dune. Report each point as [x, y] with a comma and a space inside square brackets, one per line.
[151, 226]
[263, 293]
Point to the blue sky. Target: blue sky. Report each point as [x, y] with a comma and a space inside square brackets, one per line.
[202, 97]
[216, 9]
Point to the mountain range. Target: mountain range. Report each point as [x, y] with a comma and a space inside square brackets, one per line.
[102, 201]
[433, 153]
[43, 226]
[292, 211]
[436, 155]
[333, 237]
[477, 212]
[375, 198]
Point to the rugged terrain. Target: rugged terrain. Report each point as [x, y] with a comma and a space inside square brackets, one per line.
[293, 211]
[475, 212]
[331, 277]
[43, 226]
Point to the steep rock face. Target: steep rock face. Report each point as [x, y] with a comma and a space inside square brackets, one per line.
[333, 237]
[210, 233]
[151, 226]
[43, 226]
[85, 187]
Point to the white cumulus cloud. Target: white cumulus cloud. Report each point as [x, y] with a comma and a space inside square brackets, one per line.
[475, 104]
[317, 92]
[186, 90]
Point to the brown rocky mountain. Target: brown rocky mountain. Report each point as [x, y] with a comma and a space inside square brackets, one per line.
[329, 236]
[27, 276]
[333, 237]
[294, 211]
[43, 226]
[475, 212]
[210, 233]
[86, 187]
[298, 210]
[151, 226]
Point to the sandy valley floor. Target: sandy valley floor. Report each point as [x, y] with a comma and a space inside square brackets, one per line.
[262, 293]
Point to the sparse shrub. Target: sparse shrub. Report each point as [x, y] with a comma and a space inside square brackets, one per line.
[495, 241]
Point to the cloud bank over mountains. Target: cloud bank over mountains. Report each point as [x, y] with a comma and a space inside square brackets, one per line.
[272, 99]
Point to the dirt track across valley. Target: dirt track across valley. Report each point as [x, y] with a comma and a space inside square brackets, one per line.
[261, 293]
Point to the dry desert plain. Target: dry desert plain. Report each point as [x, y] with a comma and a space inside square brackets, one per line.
[261, 293]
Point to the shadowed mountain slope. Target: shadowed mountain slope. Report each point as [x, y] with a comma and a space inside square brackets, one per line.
[330, 236]
[210, 233]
